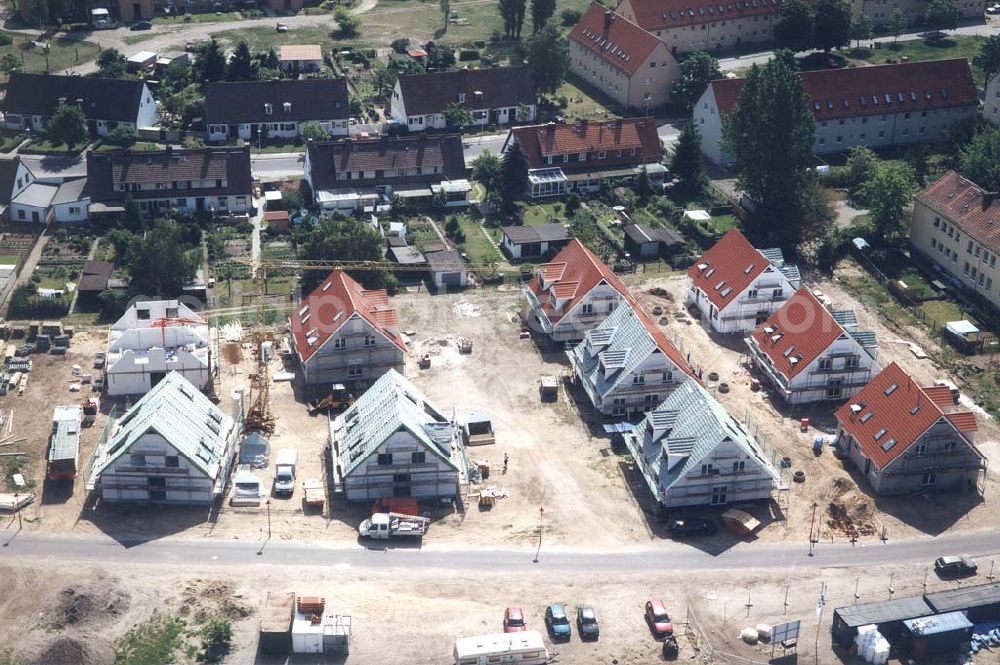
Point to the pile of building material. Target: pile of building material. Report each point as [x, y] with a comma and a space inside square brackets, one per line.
[315, 629]
[276, 623]
[12, 502]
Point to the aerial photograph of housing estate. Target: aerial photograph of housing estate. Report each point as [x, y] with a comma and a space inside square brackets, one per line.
[499, 332]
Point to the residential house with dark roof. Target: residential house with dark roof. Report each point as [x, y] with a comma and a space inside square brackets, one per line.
[344, 333]
[173, 447]
[645, 242]
[446, 270]
[915, 11]
[736, 287]
[956, 226]
[31, 100]
[809, 353]
[48, 188]
[571, 294]
[533, 241]
[692, 452]
[567, 158]
[393, 441]
[628, 64]
[492, 96]
[364, 175]
[626, 365]
[704, 26]
[213, 180]
[93, 281]
[251, 110]
[904, 438]
[876, 106]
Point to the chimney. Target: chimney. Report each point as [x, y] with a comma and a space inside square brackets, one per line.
[609, 18]
[989, 198]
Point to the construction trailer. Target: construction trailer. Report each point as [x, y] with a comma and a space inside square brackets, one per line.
[524, 648]
[315, 629]
[275, 634]
[980, 602]
[935, 635]
[887, 615]
[64, 443]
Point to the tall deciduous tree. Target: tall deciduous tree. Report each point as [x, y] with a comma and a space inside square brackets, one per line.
[111, 64]
[888, 193]
[339, 238]
[445, 6]
[862, 28]
[210, 63]
[487, 170]
[541, 12]
[548, 53]
[348, 24]
[313, 131]
[897, 24]
[512, 13]
[861, 162]
[68, 125]
[696, 70]
[163, 262]
[978, 160]
[514, 177]
[794, 28]
[241, 64]
[941, 15]
[770, 134]
[456, 116]
[687, 165]
[988, 58]
[831, 24]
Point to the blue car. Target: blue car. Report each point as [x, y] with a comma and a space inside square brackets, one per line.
[557, 622]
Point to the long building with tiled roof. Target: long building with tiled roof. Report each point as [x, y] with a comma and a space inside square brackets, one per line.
[629, 64]
[906, 438]
[704, 25]
[563, 158]
[956, 225]
[874, 106]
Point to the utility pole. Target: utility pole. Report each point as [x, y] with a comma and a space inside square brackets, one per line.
[541, 512]
[17, 507]
[812, 530]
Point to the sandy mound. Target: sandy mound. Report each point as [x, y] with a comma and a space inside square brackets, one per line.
[97, 602]
[205, 599]
[65, 651]
[849, 511]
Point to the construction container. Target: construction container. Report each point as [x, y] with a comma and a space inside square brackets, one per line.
[938, 634]
[69, 330]
[524, 648]
[61, 341]
[34, 328]
[64, 443]
[51, 328]
[276, 623]
[43, 342]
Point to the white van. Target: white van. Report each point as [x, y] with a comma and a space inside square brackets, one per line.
[525, 648]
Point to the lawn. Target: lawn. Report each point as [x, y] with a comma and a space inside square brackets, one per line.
[723, 223]
[44, 147]
[139, 146]
[203, 17]
[543, 213]
[477, 248]
[10, 140]
[63, 53]
[943, 311]
[918, 50]
[585, 101]
[9, 260]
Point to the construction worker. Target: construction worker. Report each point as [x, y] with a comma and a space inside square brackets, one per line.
[505, 459]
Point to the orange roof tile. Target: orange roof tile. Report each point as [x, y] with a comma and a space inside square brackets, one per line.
[625, 134]
[579, 267]
[731, 264]
[797, 333]
[894, 412]
[321, 314]
[616, 40]
[290, 52]
[964, 421]
[664, 14]
[966, 205]
[940, 395]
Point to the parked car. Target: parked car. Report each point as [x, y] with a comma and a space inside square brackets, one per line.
[513, 620]
[955, 566]
[993, 9]
[557, 622]
[658, 618]
[141, 25]
[586, 623]
[692, 526]
[100, 358]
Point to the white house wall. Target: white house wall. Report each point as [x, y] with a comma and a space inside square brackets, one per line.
[355, 362]
[427, 479]
[730, 485]
[131, 376]
[147, 116]
[628, 397]
[991, 102]
[750, 308]
[125, 481]
[73, 211]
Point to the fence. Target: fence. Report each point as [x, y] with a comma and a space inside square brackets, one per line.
[705, 652]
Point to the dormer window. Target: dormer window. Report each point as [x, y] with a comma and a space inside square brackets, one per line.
[287, 106]
[461, 98]
[268, 109]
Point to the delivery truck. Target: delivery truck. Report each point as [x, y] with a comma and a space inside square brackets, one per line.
[383, 526]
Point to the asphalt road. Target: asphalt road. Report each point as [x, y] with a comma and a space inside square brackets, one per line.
[36, 549]
[277, 165]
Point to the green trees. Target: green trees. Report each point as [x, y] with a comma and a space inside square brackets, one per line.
[978, 160]
[861, 163]
[241, 65]
[457, 116]
[512, 13]
[453, 229]
[888, 193]
[111, 64]
[445, 6]
[339, 238]
[513, 177]
[68, 125]
[548, 53]
[794, 27]
[644, 186]
[687, 164]
[862, 28]
[313, 131]
[348, 25]
[210, 63]
[162, 260]
[696, 70]
[487, 170]
[988, 58]
[9, 63]
[897, 24]
[122, 135]
[770, 134]
[941, 15]
[541, 12]
[831, 24]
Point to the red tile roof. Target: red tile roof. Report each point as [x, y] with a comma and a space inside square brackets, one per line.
[731, 264]
[797, 334]
[864, 91]
[901, 416]
[622, 44]
[335, 301]
[967, 206]
[576, 271]
[661, 340]
[540, 141]
[665, 14]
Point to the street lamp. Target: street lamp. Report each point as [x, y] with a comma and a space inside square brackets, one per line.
[541, 512]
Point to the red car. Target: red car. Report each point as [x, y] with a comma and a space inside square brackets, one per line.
[513, 620]
[658, 619]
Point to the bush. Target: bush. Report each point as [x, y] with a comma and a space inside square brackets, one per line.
[401, 45]
[5, 39]
[122, 135]
[570, 17]
[217, 636]
[479, 43]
